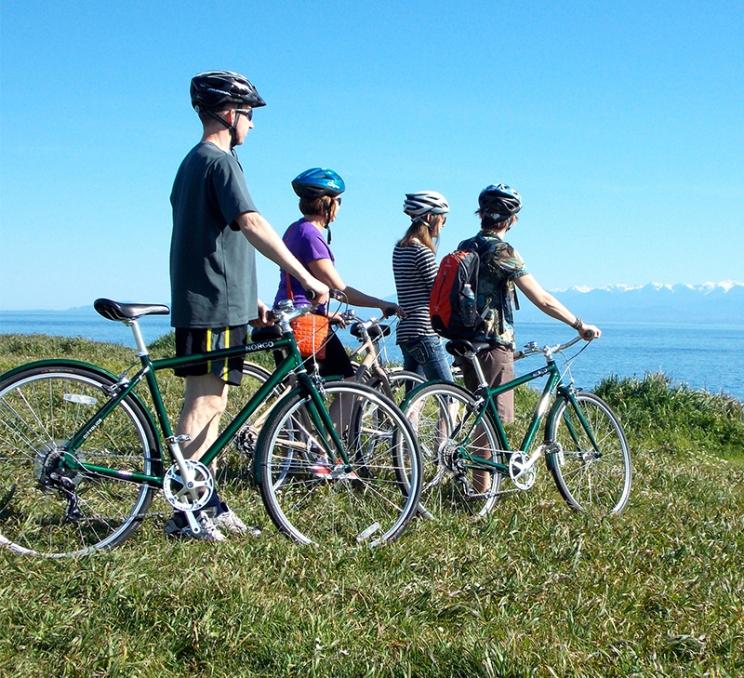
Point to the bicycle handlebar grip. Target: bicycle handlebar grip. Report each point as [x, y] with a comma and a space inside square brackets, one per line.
[332, 293]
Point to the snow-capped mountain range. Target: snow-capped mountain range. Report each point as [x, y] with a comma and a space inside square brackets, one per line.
[711, 302]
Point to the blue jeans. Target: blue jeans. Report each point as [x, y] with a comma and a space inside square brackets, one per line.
[426, 356]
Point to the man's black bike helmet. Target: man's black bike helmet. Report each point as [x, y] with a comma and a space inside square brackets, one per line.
[213, 90]
[499, 202]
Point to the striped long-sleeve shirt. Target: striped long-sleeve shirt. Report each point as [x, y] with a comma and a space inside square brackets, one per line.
[414, 269]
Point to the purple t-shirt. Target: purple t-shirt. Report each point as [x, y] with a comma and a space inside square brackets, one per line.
[306, 242]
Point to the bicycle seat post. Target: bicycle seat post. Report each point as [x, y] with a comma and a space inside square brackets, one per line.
[138, 339]
[472, 357]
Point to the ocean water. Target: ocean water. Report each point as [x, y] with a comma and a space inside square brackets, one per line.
[701, 357]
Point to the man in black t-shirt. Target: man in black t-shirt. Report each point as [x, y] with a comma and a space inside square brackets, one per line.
[216, 230]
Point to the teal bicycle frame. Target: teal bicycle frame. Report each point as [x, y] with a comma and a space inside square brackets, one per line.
[124, 387]
[490, 410]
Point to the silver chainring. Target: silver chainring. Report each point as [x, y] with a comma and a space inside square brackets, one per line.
[179, 495]
[523, 478]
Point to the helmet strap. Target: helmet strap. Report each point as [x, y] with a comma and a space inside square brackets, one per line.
[328, 222]
[232, 128]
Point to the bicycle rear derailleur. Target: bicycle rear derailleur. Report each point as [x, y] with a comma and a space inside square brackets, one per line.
[51, 475]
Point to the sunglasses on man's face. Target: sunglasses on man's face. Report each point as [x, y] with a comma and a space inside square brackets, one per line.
[247, 112]
[338, 199]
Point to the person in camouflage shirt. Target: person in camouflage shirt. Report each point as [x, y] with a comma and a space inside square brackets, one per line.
[501, 271]
[500, 266]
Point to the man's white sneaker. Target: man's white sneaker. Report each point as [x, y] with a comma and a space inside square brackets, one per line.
[209, 531]
[228, 521]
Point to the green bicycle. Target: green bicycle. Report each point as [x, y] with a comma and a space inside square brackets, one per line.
[467, 454]
[82, 459]
[371, 370]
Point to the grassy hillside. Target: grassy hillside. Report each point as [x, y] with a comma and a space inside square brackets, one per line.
[535, 590]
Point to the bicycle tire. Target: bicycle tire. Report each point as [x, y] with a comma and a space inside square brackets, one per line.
[254, 376]
[312, 499]
[41, 407]
[597, 483]
[399, 384]
[435, 411]
[402, 382]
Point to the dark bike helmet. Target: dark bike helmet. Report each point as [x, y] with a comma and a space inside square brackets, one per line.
[317, 182]
[213, 90]
[499, 202]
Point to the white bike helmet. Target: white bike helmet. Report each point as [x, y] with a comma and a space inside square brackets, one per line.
[418, 205]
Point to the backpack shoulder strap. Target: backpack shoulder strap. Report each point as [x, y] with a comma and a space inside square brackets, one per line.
[469, 245]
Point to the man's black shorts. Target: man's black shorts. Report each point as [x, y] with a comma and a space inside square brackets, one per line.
[191, 341]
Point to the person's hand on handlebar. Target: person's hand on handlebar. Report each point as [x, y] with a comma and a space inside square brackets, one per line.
[337, 319]
[265, 317]
[393, 309]
[316, 291]
[587, 332]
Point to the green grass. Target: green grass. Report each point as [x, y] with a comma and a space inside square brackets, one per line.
[535, 590]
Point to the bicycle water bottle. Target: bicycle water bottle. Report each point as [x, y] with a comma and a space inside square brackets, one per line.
[468, 304]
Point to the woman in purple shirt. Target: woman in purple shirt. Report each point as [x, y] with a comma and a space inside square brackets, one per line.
[320, 192]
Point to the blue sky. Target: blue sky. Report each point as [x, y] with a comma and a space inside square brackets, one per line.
[619, 123]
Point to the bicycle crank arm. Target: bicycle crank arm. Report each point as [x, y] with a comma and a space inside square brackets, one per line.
[193, 522]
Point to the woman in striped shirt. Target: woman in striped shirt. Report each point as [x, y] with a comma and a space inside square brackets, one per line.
[414, 268]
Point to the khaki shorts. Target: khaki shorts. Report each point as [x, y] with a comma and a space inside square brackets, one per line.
[498, 368]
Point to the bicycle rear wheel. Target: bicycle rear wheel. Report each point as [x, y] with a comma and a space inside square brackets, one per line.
[402, 382]
[443, 418]
[47, 509]
[592, 478]
[313, 497]
[396, 384]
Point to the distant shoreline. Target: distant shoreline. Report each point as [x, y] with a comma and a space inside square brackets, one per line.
[702, 356]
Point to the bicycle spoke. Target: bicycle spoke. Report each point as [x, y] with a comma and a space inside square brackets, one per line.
[48, 508]
[591, 479]
[371, 498]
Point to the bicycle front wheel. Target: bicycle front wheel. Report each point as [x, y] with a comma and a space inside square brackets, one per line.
[312, 496]
[443, 419]
[47, 509]
[591, 461]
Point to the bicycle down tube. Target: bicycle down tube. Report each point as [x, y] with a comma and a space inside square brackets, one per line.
[491, 411]
[149, 367]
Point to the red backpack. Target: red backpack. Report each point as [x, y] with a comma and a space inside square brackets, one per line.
[452, 303]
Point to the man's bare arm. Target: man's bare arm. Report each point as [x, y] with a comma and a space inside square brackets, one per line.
[266, 240]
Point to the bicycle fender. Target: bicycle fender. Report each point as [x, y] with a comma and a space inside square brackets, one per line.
[561, 397]
[439, 382]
